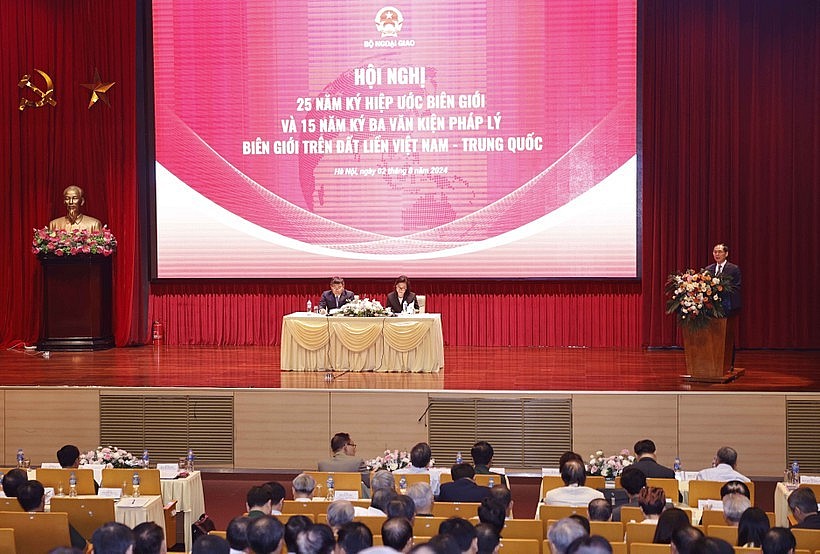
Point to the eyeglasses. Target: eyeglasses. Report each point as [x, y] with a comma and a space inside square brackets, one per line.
[353, 444]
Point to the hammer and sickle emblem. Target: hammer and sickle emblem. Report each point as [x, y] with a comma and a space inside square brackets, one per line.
[46, 97]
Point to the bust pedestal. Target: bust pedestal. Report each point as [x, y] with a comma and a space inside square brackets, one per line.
[76, 303]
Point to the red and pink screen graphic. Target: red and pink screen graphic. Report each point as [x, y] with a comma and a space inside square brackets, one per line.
[489, 139]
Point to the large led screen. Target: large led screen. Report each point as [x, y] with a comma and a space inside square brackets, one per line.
[471, 139]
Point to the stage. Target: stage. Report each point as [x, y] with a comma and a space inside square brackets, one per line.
[466, 369]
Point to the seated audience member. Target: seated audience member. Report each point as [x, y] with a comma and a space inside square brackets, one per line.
[353, 537]
[582, 520]
[492, 512]
[344, 456]
[12, 481]
[734, 505]
[397, 298]
[752, 526]
[422, 496]
[316, 539]
[803, 504]
[735, 487]
[723, 467]
[633, 481]
[397, 533]
[266, 535]
[383, 480]
[463, 488]
[211, 544]
[567, 456]
[420, 457]
[339, 512]
[302, 487]
[69, 456]
[648, 463]
[462, 531]
[258, 501]
[711, 545]
[683, 539]
[488, 539]
[574, 492]
[112, 538]
[503, 495]
[149, 538]
[32, 498]
[599, 510]
[652, 501]
[378, 504]
[562, 533]
[670, 521]
[482, 454]
[277, 497]
[443, 544]
[590, 545]
[401, 506]
[295, 525]
[237, 534]
[778, 540]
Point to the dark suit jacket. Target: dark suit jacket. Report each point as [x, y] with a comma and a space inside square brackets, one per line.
[463, 490]
[732, 301]
[394, 304]
[344, 463]
[811, 522]
[328, 300]
[651, 468]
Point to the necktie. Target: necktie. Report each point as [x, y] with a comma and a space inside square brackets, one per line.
[337, 301]
[719, 269]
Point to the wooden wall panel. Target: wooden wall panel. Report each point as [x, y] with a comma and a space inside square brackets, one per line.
[378, 420]
[280, 429]
[3, 460]
[752, 424]
[612, 422]
[42, 421]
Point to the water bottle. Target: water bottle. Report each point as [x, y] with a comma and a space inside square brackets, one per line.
[135, 483]
[146, 459]
[491, 482]
[403, 484]
[459, 459]
[331, 493]
[72, 485]
[1, 481]
[404, 307]
[20, 457]
[677, 468]
[309, 306]
[189, 460]
[795, 473]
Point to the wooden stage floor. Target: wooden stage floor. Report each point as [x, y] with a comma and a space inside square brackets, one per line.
[466, 368]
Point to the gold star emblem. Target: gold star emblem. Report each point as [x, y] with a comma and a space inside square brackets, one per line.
[98, 89]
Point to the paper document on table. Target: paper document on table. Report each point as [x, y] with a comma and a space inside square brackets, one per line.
[139, 502]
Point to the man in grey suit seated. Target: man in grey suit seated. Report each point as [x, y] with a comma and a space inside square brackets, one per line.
[344, 459]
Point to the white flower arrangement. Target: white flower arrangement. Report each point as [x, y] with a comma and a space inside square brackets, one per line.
[110, 456]
[609, 466]
[391, 460]
[362, 308]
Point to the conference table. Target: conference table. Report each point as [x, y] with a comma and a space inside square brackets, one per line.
[405, 343]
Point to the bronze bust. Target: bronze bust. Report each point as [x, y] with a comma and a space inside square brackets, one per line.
[74, 218]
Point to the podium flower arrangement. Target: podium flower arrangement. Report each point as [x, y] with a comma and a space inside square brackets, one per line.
[362, 308]
[391, 460]
[695, 296]
[73, 243]
[609, 466]
[110, 456]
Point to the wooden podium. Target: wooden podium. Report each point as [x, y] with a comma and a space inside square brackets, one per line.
[709, 351]
[76, 303]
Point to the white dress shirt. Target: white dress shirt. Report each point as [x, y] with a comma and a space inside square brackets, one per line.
[721, 472]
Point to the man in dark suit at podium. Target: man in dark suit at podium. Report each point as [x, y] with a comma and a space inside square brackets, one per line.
[337, 296]
[724, 268]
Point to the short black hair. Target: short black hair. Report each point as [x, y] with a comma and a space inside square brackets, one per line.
[727, 455]
[148, 538]
[354, 537]
[711, 545]
[735, 487]
[778, 540]
[685, 537]
[30, 495]
[482, 453]
[460, 529]
[587, 544]
[492, 512]
[13, 480]
[68, 455]
[112, 538]
[462, 470]
[396, 533]
[277, 491]
[488, 538]
[599, 510]
[573, 472]
[237, 532]
[339, 441]
[804, 499]
[295, 525]
[316, 539]
[633, 480]
[644, 446]
[420, 455]
[210, 544]
[265, 533]
[401, 506]
[258, 495]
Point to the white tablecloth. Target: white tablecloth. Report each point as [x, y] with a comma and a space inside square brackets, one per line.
[190, 499]
[317, 343]
[133, 516]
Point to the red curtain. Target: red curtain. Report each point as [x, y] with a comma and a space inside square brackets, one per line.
[730, 140]
[44, 150]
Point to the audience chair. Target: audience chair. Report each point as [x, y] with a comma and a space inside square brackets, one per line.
[617, 547]
[222, 534]
[748, 550]
[649, 548]
[311, 509]
[85, 514]
[149, 480]
[54, 477]
[613, 531]
[466, 510]
[523, 529]
[342, 481]
[10, 505]
[484, 480]
[670, 487]
[7, 542]
[426, 526]
[412, 478]
[445, 477]
[549, 482]
[725, 532]
[374, 523]
[710, 490]
[554, 513]
[639, 532]
[519, 546]
[37, 532]
[631, 513]
[712, 517]
[807, 539]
